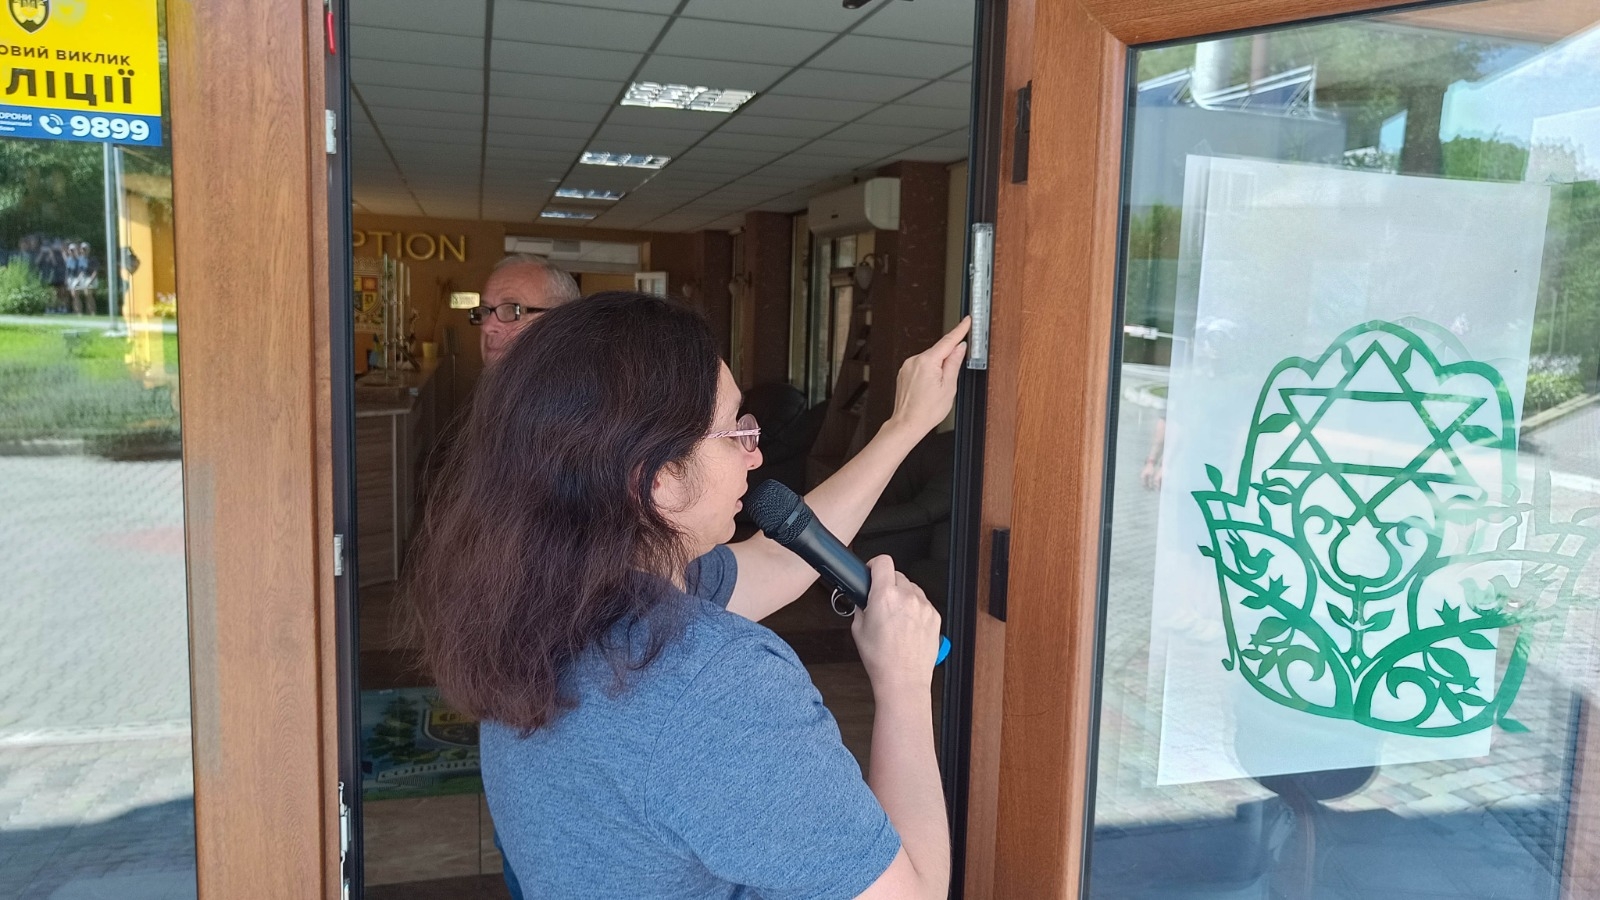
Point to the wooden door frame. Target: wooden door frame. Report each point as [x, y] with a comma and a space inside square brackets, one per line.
[250, 179]
[1050, 380]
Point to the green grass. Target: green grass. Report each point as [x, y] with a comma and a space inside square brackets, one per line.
[65, 383]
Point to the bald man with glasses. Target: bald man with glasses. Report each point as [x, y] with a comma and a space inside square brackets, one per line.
[519, 289]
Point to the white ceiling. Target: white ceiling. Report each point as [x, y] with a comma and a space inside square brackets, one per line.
[450, 122]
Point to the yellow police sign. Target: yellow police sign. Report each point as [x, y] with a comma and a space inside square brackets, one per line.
[81, 70]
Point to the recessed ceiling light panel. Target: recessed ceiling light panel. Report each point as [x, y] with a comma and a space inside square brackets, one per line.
[630, 160]
[565, 214]
[588, 194]
[684, 96]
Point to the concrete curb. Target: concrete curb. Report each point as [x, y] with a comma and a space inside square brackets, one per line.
[1556, 413]
[45, 447]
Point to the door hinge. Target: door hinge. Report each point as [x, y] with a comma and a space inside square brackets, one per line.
[344, 843]
[999, 572]
[1019, 142]
[332, 120]
[980, 284]
[338, 555]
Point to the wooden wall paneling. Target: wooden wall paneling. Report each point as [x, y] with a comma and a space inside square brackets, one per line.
[907, 294]
[1005, 343]
[714, 267]
[247, 175]
[768, 239]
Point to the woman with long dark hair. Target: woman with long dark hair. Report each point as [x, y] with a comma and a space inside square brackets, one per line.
[642, 736]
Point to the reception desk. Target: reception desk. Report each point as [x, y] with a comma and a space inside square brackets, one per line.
[397, 426]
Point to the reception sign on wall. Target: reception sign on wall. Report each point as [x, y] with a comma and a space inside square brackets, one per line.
[81, 70]
[1353, 568]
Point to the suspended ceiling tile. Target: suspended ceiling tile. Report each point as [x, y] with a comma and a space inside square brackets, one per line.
[604, 178]
[545, 109]
[829, 16]
[397, 45]
[955, 140]
[848, 152]
[744, 123]
[728, 170]
[419, 100]
[809, 82]
[854, 53]
[390, 116]
[765, 177]
[660, 7]
[785, 204]
[754, 142]
[634, 139]
[749, 159]
[554, 59]
[456, 17]
[575, 26]
[917, 116]
[745, 76]
[512, 190]
[554, 87]
[391, 206]
[411, 131]
[931, 153]
[943, 21]
[499, 211]
[524, 159]
[364, 72]
[433, 174]
[805, 169]
[961, 74]
[567, 144]
[681, 119]
[453, 142]
[501, 122]
[403, 149]
[838, 111]
[675, 177]
[946, 94]
[706, 39]
[902, 135]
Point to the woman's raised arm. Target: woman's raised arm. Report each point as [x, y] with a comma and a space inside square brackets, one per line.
[771, 577]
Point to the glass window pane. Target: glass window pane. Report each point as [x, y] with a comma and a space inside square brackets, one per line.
[96, 786]
[1351, 623]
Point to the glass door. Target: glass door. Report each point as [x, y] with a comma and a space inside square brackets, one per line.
[96, 762]
[1350, 627]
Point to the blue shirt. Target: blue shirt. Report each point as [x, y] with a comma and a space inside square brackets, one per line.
[718, 773]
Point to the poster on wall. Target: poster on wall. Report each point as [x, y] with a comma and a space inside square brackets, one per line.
[1344, 542]
[80, 71]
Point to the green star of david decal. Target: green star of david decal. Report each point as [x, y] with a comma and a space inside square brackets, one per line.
[1375, 547]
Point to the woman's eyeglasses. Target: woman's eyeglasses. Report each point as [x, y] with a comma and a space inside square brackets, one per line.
[748, 433]
[505, 312]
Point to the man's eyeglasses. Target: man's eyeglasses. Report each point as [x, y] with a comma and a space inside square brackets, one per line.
[505, 312]
[748, 433]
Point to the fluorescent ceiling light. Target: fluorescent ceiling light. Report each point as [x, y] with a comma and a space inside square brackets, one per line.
[587, 194]
[565, 214]
[631, 160]
[683, 96]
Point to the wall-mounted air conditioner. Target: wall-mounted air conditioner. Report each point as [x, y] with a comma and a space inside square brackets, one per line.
[871, 205]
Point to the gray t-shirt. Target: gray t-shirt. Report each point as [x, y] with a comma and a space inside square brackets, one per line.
[717, 773]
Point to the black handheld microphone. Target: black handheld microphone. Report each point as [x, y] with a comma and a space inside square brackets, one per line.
[784, 517]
